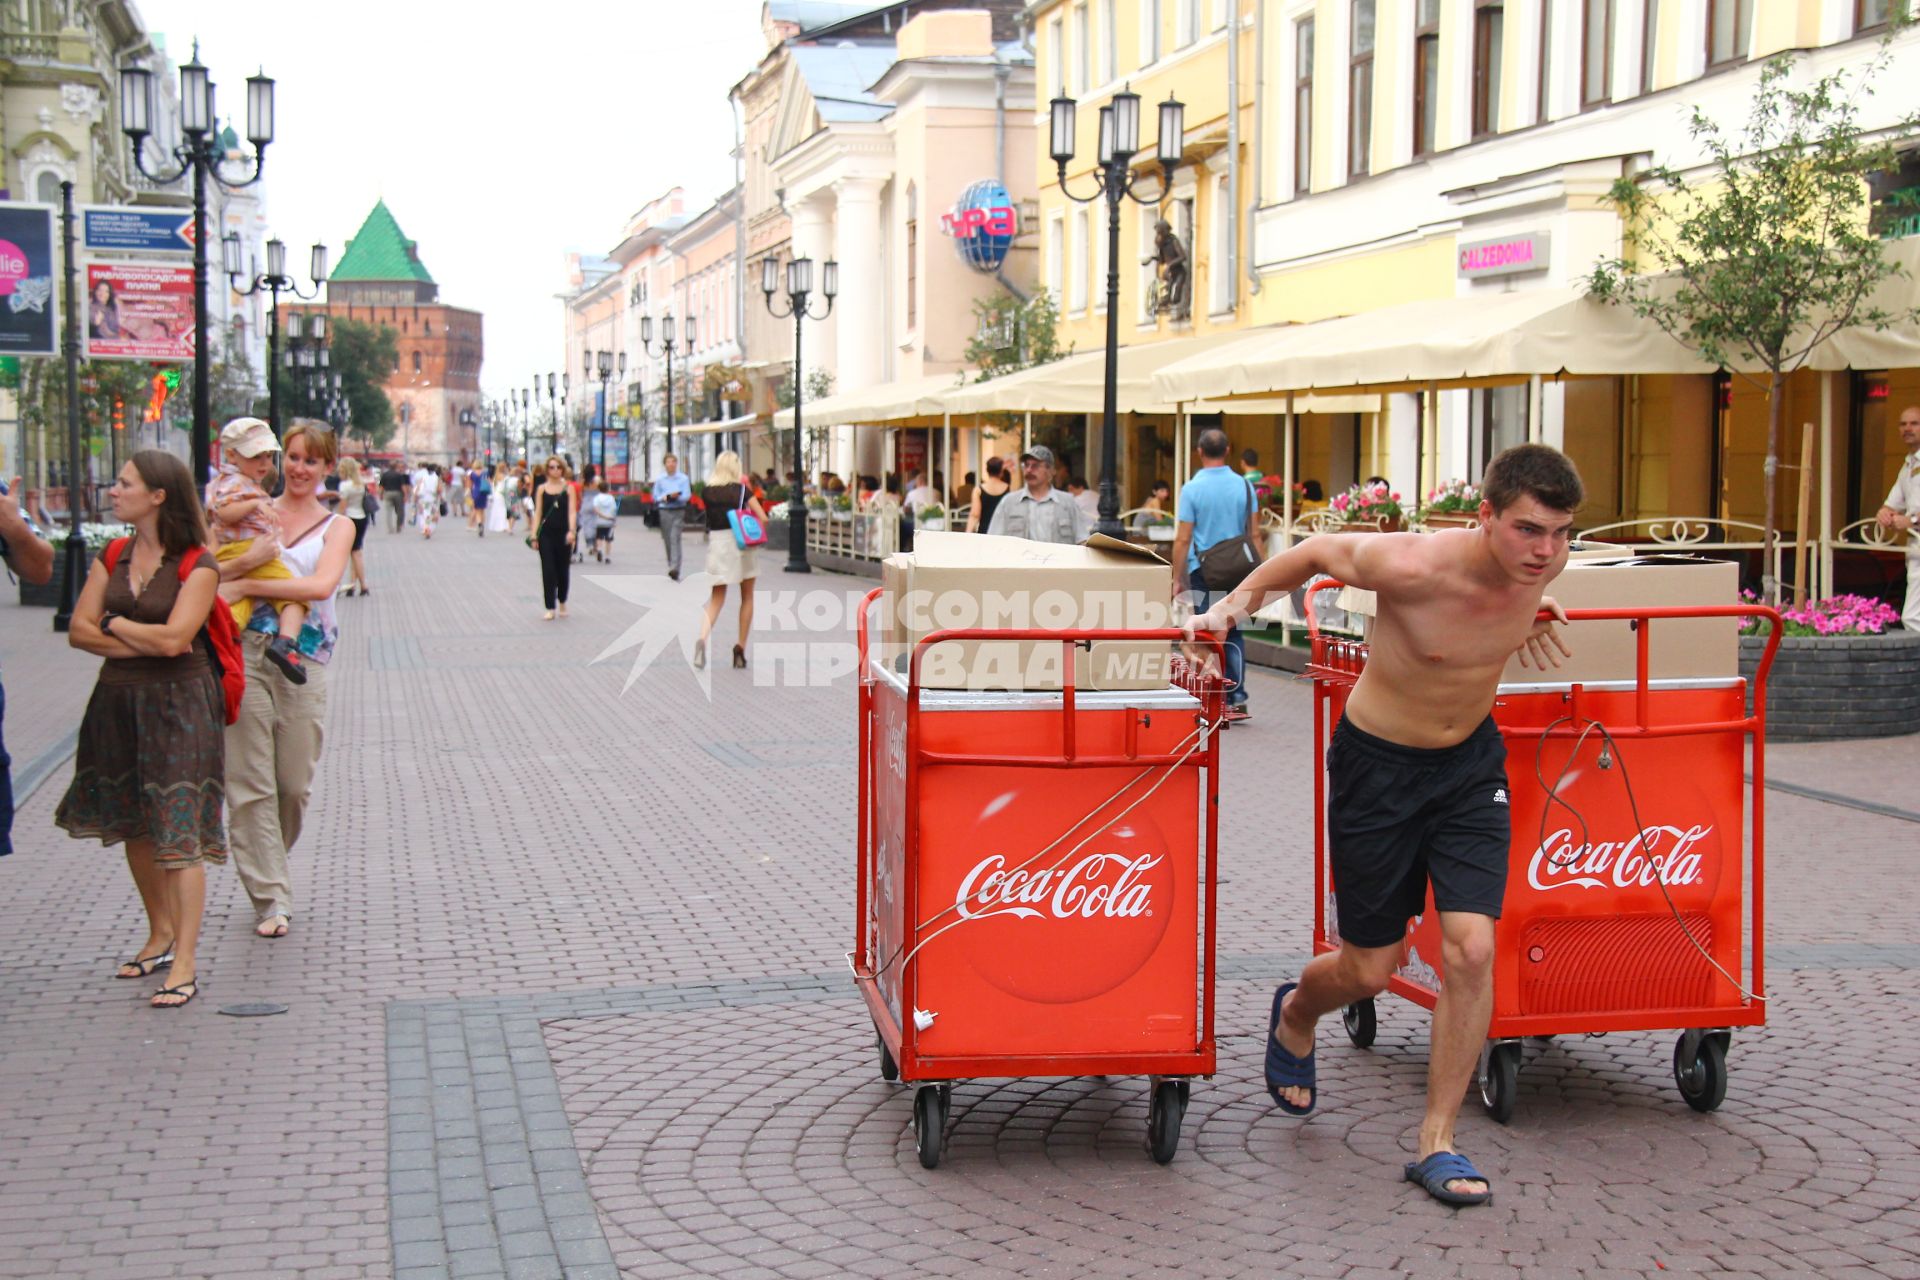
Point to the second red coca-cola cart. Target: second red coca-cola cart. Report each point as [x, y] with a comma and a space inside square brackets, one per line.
[1036, 878]
[1636, 875]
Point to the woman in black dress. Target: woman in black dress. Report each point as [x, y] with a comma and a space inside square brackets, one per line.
[556, 517]
[150, 767]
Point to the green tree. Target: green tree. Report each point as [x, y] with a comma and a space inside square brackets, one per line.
[1010, 335]
[1768, 252]
[364, 356]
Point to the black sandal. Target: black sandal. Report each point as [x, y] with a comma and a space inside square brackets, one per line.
[189, 989]
[147, 965]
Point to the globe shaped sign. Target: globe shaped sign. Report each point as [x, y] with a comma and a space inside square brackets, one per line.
[983, 223]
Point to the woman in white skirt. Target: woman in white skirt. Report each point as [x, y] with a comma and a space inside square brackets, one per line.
[501, 501]
[727, 564]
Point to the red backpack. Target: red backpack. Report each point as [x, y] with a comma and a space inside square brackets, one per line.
[223, 637]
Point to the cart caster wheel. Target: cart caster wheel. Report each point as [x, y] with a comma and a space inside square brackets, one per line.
[1163, 1120]
[929, 1123]
[1499, 1078]
[1361, 1023]
[1703, 1082]
[889, 1069]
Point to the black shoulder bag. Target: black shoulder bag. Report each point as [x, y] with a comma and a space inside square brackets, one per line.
[1226, 564]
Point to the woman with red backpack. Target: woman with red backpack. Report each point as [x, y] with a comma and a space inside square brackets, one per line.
[150, 766]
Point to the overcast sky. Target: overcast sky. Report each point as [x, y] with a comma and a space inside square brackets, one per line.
[501, 138]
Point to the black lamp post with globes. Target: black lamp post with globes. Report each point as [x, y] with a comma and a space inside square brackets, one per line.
[275, 281]
[799, 286]
[1119, 141]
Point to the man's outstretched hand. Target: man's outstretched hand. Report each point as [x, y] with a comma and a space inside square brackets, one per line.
[1537, 650]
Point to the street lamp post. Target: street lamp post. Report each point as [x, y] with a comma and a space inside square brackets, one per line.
[553, 403]
[306, 353]
[275, 281]
[198, 152]
[799, 285]
[667, 348]
[1119, 141]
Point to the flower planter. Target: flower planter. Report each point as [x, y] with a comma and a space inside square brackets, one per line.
[1827, 687]
[936, 523]
[1372, 526]
[1451, 520]
[1159, 533]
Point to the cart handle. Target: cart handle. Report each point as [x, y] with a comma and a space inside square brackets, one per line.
[860, 628]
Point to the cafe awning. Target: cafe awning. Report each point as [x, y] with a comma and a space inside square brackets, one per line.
[746, 422]
[899, 403]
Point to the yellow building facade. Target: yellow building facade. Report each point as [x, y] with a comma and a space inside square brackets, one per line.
[1386, 151]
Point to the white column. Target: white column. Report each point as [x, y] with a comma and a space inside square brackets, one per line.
[862, 306]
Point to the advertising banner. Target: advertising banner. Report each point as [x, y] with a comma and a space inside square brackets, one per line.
[139, 311]
[618, 464]
[29, 318]
[129, 230]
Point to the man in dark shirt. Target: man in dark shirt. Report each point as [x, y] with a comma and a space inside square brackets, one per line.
[393, 492]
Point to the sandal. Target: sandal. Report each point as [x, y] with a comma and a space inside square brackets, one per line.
[279, 932]
[147, 966]
[188, 990]
[1284, 1071]
[1437, 1170]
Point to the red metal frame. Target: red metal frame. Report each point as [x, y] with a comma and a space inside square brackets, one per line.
[1334, 665]
[901, 1040]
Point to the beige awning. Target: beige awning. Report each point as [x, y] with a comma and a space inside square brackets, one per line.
[1077, 383]
[1491, 338]
[901, 403]
[744, 423]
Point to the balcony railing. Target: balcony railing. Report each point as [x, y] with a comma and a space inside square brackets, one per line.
[30, 45]
[1898, 215]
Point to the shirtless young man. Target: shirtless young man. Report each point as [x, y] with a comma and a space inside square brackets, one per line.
[1417, 772]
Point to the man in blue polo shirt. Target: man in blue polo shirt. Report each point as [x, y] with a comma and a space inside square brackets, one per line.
[1216, 504]
[671, 493]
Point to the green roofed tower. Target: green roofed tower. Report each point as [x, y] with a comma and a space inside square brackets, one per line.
[381, 267]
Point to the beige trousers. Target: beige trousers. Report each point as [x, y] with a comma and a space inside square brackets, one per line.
[272, 751]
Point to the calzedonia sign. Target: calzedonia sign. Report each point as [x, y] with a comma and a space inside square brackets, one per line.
[1505, 256]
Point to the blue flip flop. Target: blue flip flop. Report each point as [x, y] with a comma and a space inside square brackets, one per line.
[1284, 1071]
[1437, 1170]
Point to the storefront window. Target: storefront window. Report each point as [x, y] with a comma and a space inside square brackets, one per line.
[1874, 449]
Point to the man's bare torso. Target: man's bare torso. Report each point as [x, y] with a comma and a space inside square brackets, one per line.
[1441, 637]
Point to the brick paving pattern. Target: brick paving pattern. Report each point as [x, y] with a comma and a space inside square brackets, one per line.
[567, 999]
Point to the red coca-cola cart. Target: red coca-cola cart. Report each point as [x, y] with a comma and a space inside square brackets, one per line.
[1636, 881]
[1036, 878]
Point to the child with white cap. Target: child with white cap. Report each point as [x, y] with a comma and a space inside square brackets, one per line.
[241, 510]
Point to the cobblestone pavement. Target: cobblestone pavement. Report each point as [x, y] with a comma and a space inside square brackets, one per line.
[566, 998]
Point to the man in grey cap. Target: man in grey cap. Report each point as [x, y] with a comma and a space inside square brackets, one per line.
[1039, 512]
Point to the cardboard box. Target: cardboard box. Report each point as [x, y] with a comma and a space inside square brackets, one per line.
[1688, 648]
[958, 580]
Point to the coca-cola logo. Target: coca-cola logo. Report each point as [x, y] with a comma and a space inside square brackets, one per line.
[1674, 856]
[1108, 885]
[1062, 924]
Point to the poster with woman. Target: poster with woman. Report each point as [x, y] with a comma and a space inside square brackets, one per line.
[29, 316]
[137, 311]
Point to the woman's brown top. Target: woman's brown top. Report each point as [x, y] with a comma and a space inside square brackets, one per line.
[154, 604]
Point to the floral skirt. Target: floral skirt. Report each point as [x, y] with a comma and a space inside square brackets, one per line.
[151, 765]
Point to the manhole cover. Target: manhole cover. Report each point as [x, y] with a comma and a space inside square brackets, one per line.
[255, 1010]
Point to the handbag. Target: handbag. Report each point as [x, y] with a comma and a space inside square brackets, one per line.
[748, 530]
[1226, 564]
[443, 506]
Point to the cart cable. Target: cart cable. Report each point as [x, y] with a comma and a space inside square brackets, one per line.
[1186, 746]
[1609, 755]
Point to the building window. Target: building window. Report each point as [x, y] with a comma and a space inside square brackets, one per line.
[1109, 41]
[1149, 32]
[1596, 53]
[1426, 75]
[1078, 254]
[1057, 45]
[46, 187]
[1729, 31]
[1649, 42]
[1219, 14]
[1360, 89]
[913, 273]
[1303, 106]
[1083, 47]
[1219, 278]
[1056, 257]
[1489, 21]
[1186, 22]
[1100, 272]
[1543, 78]
[1871, 15]
[416, 362]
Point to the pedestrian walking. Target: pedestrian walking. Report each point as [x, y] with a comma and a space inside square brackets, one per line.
[149, 764]
[586, 527]
[457, 487]
[353, 492]
[393, 492]
[31, 556]
[1417, 779]
[480, 494]
[671, 494]
[500, 502]
[1901, 511]
[1217, 542]
[987, 495]
[1039, 512]
[553, 532]
[606, 509]
[426, 499]
[274, 747]
[728, 563]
